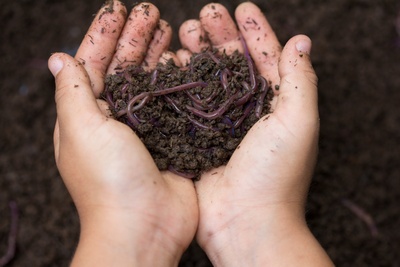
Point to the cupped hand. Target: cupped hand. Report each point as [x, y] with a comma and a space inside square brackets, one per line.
[251, 208]
[126, 206]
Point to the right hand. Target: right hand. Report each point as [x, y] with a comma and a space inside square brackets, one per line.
[129, 210]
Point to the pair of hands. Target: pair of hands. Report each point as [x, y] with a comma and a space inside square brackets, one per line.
[131, 213]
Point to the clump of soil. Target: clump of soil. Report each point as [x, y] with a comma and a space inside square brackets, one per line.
[190, 119]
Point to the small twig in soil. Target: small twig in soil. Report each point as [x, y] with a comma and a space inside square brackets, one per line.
[363, 215]
[12, 236]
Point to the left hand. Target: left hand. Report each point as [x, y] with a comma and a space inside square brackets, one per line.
[130, 212]
[252, 210]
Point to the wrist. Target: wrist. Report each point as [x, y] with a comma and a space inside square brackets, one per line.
[278, 238]
[239, 241]
[247, 240]
[119, 239]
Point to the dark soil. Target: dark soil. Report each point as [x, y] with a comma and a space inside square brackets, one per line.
[191, 119]
[356, 53]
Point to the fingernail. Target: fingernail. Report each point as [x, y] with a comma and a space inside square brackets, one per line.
[55, 65]
[304, 46]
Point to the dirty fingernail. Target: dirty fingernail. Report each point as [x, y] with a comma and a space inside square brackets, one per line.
[304, 46]
[55, 65]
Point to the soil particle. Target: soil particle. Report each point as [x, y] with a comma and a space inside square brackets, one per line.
[190, 119]
[108, 8]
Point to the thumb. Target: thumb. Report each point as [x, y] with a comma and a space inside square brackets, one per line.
[298, 98]
[75, 101]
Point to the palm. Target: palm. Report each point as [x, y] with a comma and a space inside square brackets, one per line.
[265, 158]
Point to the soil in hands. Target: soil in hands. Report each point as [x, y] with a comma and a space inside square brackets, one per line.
[191, 118]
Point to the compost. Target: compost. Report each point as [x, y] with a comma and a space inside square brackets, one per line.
[191, 119]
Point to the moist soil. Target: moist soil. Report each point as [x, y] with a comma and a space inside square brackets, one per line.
[190, 118]
[356, 54]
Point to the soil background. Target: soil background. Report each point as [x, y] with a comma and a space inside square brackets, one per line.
[356, 54]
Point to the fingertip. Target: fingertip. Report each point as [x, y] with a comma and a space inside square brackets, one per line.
[159, 44]
[220, 28]
[296, 55]
[99, 43]
[146, 7]
[168, 55]
[73, 68]
[300, 43]
[135, 37]
[74, 98]
[104, 108]
[261, 40]
[245, 5]
[184, 56]
[303, 44]
[192, 36]
[55, 63]
[298, 94]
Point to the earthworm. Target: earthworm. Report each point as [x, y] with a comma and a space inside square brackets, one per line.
[362, 214]
[202, 104]
[199, 124]
[213, 57]
[233, 91]
[154, 76]
[12, 236]
[127, 76]
[172, 103]
[228, 121]
[241, 101]
[214, 114]
[183, 174]
[195, 99]
[137, 118]
[211, 96]
[147, 96]
[261, 98]
[144, 97]
[252, 74]
[124, 88]
[109, 98]
[246, 113]
[224, 81]
[178, 88]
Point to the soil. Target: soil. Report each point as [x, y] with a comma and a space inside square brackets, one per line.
[191, 118]
[354, 199]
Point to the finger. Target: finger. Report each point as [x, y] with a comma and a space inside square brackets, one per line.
[135, 37]
[158, 45]
[192, 36]
[261, 40]
[298, 100]
[98, 45]
[184, 56]
[75, 101]
[220, 28]
[104, 108]
[56, 140]
[168, 55]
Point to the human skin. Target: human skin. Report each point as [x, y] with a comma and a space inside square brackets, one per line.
[252, 209]
[131, 214]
